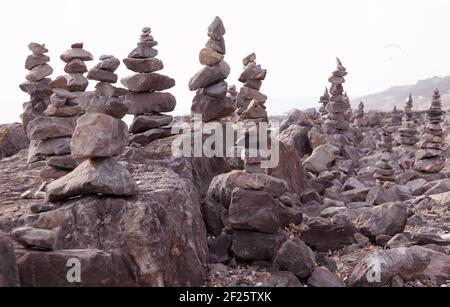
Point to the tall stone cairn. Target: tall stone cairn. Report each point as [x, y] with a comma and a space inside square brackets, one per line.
[384, 172]
[253, 116]
[408, 132]
[36, 84]
[359, 116]
[146, 99]
[211, 101]
[252, 77]
[337, 120]
[431, 156]
[324, 100]
[75, 67]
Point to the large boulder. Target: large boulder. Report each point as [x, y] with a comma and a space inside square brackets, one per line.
[295, 116]
[42, 128]
[252, 245]
[325, 237]
[52, 269]
[290, 169]
[156, 238]
[9, 276]
[98, 136]
[296, 257]
[12, 139]
[253, 210]
[222, 186]
[297, 137]
[415, 262]
[97, 176]
[386, 219]
[321, 158]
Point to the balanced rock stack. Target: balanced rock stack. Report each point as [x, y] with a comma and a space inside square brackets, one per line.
[75, 67]
[431, 156]
[324, 100]
[408, 132]
[108, 99]
[211, 101]
[384, 172]
[37, 83]
[337, 119]
[252, 77]
[50, 135]
[97, 139]
[359, 116]
[145, 98]
[253, 155]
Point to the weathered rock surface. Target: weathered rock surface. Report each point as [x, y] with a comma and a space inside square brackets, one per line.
[12, 139]
[98, 136]
[99, 176]
[9, 276]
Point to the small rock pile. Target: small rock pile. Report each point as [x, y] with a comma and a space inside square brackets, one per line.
[252, 77]
[408, 132]
[359, 116]
[145, 99]
[324, 100]
[337, 120]
[75, 67]
[211, 101]
[37, 83]
[431, 156]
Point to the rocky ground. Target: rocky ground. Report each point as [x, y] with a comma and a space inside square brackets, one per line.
[317, 220]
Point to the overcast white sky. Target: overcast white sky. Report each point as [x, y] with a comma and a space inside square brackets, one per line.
[296, 40]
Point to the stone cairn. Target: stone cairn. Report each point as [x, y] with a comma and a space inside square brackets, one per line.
[324, 100]
[99, 137]
[36, 84]
[252, 77]
[146, 99]
[53, 132]
[49, 133]
[431, 156]
[408, 132]
[384, 172]
[337, 120]
[211, 101]
[75, 67]
[253, 114]
[359, 116]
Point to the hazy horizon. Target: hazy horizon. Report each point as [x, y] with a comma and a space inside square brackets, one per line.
[382, 43]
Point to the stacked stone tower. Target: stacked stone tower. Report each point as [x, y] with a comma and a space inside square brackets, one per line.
[408, 132]
[37, 83]
[252, 77]
[211, 101]
[337, 120]
[324, 100]
[431, 156]
[146, 99]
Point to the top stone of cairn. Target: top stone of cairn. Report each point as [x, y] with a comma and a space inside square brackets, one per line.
[216, 30]
[37, 49]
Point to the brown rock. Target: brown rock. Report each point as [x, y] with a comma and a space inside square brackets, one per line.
[143, 65]
[97, 136]
[148, 82]
[210, 57]
[144, 103]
